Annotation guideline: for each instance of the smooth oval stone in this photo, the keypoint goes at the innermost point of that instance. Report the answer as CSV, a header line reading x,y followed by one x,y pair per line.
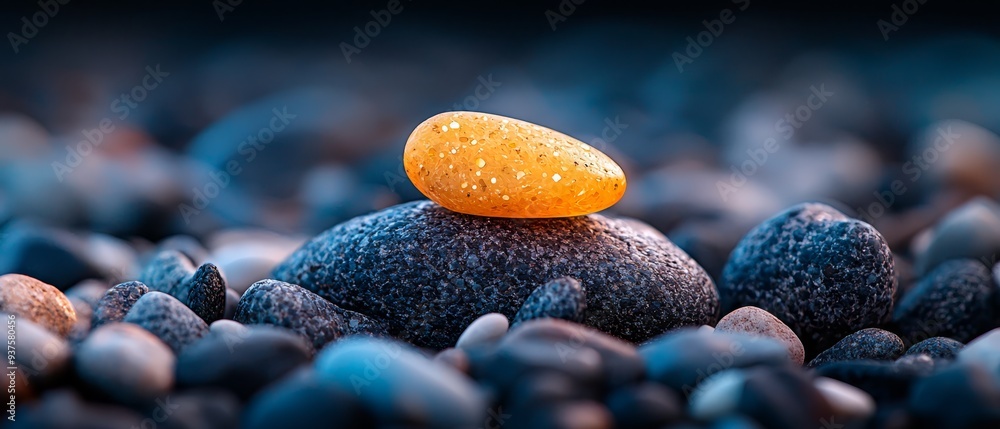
x,y
428,272
960,396
684,358
936,348
272,302
984,350
884,381
168,319
954,300
562,298
620,361
644,405
825,275
490,165
126,363
971,231
758,322
400,386
39,353
228,327
847,401
302,401
242,364
488,328
116,303
871,343
30,299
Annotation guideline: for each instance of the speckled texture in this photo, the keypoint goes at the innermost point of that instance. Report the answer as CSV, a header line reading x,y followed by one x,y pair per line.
x,y
116,303
870,343
955,300
491,165
38,302
562,298
825,275
168,319
277,303
755,321
937,348
428,272
202,289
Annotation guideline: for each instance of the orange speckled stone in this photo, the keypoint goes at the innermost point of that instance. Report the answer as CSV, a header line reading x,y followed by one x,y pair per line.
x,y
490,165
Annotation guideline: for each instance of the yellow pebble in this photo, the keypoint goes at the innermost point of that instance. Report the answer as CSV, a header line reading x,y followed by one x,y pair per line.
x,y
534,171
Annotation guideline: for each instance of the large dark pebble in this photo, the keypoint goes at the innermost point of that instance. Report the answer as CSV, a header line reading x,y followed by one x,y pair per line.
x,y
302,401
958,397
272,302
971,231
871,343
825,275
954,300
242,364
562,298
682,359
429,272
400,386
168,319
126,363
116,303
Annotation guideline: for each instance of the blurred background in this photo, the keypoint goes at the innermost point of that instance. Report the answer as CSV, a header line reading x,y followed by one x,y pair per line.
x,y
123,125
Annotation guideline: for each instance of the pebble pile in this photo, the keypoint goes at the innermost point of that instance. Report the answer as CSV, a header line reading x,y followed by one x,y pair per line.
x,y
506,301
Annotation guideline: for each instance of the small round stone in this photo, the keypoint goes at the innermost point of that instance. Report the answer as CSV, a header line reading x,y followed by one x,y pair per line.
x,y
126,363
971,231
487,329
271,302
116,303
870,343
937,348
400,386
847,401
825,275
30,299
562,298
954,300
428,272
242,364
168,319
490,165
758,322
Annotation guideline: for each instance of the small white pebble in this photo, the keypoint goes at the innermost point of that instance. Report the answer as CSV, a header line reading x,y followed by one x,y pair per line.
x,y
487,329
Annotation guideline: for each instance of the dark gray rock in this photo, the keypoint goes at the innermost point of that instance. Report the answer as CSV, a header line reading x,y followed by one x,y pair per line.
x,y
684,358
871,343
823,274
116,303
429,272
955,300
126,363
971,231
302,401
168,319
272,302
937,348
242,364
400,386
957,397
562,298
202,289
